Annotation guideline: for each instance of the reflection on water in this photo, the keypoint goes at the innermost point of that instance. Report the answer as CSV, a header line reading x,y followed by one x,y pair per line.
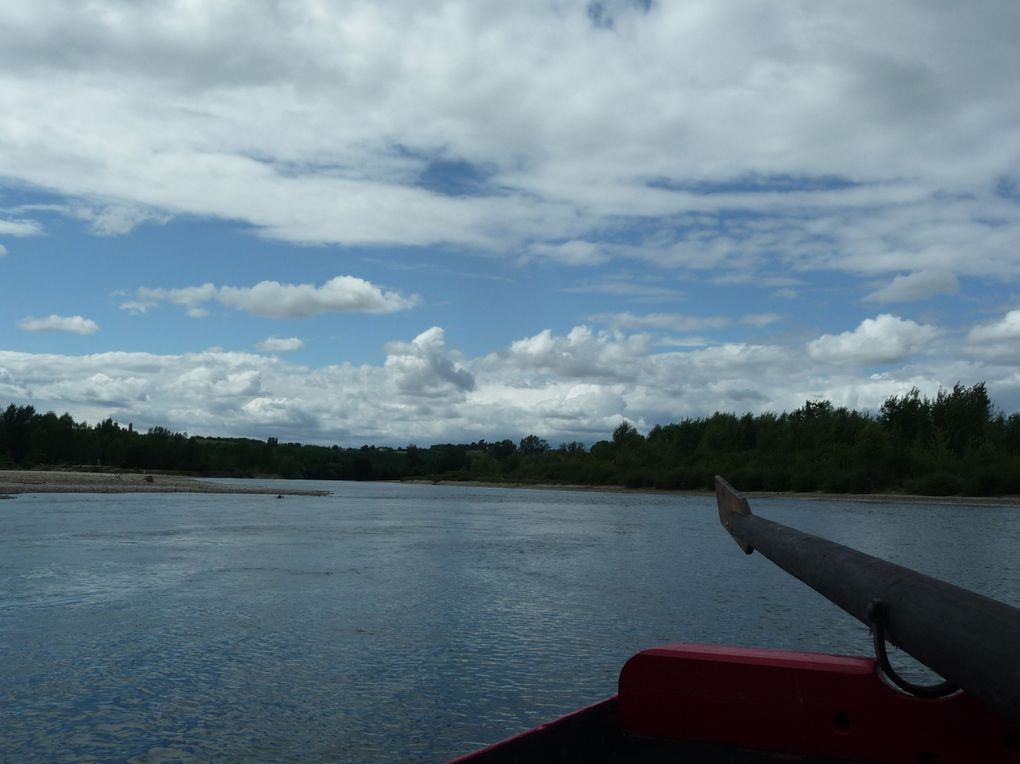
x,y
397,622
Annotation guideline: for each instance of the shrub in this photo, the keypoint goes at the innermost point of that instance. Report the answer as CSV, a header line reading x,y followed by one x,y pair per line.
x,y
805,482
938,484
984,482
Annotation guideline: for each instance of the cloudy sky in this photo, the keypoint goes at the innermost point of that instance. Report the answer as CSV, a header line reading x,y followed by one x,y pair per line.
x,y
393,222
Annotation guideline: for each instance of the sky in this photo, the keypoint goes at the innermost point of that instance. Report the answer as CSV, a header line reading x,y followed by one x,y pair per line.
x,y
419,222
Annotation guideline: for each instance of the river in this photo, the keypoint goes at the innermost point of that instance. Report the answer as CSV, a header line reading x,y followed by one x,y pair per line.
x,y
398,623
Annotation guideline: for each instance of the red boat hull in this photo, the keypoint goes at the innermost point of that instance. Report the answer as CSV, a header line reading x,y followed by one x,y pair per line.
x,y
707,703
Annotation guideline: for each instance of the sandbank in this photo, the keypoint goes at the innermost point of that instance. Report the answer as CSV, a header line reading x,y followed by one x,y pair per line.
x,y
60,481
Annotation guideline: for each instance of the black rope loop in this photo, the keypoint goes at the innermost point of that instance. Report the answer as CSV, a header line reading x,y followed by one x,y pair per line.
x,y
877,615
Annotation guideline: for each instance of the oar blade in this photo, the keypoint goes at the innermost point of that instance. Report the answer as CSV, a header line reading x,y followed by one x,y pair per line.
x,y
731,504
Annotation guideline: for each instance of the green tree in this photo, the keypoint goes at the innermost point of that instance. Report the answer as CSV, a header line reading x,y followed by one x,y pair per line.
x,y
962,415
532,444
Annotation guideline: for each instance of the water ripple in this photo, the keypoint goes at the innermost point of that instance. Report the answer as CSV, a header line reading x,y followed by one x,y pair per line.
x,y
394,623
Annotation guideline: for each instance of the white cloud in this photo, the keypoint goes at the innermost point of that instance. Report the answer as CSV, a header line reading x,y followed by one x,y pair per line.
x,y
424,366
761,320
679,322
1007,328
9,387
116,219
55,323
3,250
280,344
717,141
671,321
918,285
683,342
877,142
997,342
281,412
191,298
19,227
884,339
648,291
137,306
574,252
574,386
581,354
341,294
119,390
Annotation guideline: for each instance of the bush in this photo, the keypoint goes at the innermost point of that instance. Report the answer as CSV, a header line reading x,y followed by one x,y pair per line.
x,y
939,484
837,481
984,482
805,482
1010,478
746,479
639,480
777,480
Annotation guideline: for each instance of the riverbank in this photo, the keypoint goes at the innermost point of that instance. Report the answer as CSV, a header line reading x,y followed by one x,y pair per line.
x,y
13,482
873,498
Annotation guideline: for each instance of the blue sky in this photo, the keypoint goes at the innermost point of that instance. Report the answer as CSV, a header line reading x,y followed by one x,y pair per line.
x,y
406,222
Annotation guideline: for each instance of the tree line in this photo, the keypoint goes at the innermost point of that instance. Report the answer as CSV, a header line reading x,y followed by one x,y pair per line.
x,y
951,444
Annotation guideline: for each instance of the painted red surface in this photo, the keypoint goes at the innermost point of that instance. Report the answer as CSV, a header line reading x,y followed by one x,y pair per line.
x,y
801,703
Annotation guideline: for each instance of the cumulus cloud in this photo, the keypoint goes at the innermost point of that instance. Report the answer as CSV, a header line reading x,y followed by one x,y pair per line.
x,y
881,143
55,323
1007,328
581,353
341,294
423,366
569,387
101,388
998,341
880,340
191,298
278,412
9,387
918,285
280,344
633,134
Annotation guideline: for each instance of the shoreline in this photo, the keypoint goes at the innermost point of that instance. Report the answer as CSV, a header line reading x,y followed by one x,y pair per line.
x,y
863,498
16,482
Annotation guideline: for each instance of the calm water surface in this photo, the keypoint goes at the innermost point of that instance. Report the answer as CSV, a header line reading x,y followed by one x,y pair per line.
x,y
391,623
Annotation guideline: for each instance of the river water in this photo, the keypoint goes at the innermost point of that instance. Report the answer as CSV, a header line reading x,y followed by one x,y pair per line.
x,y
393,623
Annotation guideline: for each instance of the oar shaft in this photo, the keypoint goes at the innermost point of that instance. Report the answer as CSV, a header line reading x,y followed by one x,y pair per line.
x,y
969,639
